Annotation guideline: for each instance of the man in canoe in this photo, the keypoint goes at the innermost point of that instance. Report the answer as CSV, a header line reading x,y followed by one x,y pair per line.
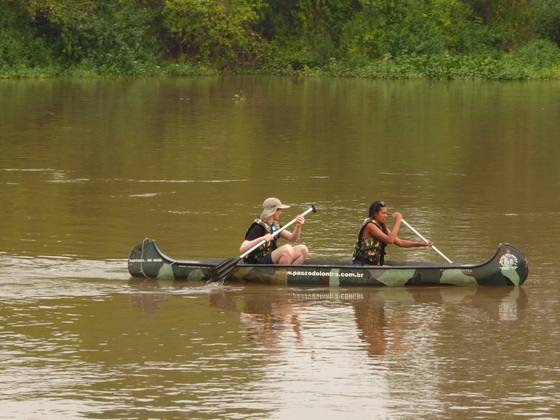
x,y
374,236
263,228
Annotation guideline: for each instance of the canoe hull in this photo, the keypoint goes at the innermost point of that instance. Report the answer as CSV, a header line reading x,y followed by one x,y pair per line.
x,y
508,267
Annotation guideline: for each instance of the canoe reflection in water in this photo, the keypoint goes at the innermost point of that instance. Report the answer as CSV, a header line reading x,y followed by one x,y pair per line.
x,y
271,315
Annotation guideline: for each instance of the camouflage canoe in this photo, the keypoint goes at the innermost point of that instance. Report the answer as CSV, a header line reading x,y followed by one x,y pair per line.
x,y
508,267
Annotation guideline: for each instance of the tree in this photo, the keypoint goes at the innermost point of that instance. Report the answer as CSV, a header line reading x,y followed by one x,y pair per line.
x,y
214,30
513,18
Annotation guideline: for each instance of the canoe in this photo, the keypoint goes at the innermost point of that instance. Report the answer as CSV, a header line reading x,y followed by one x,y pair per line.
x,y
508,267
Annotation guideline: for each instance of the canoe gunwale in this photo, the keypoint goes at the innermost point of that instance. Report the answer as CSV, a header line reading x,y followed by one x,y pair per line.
x,y
327,263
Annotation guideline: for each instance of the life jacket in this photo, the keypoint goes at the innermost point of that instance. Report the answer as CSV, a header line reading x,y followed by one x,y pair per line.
x,y
265,248
370,251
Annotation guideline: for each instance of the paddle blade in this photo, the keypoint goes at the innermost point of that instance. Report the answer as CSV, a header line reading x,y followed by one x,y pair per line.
x,y
219,272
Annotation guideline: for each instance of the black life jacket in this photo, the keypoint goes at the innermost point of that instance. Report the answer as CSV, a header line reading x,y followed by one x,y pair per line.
x,y
370,251
265,248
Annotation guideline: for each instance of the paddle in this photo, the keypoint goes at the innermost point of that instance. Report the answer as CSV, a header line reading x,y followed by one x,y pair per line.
x,y
219,272
425,240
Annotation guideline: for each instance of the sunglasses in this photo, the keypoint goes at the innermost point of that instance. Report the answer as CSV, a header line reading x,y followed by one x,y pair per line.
x,y
379,205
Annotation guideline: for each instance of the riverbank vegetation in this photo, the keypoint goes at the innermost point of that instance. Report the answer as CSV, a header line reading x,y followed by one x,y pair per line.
x,y
431,39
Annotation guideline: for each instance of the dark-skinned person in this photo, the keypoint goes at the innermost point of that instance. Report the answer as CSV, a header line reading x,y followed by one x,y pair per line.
x,y
374,236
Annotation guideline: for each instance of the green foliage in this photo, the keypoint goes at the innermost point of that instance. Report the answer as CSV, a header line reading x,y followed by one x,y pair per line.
x,y
114,38
540,58
214,30
433,39
101,37
299,52
305,33
325,17
55,11
512,19
538,53
22,52
292,18
435,67
403,27
547,19
185,70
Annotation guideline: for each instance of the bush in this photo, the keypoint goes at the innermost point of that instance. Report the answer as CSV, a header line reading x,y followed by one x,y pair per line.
x,y
404,27
22,52
547,19
185,69
434,67
434,39
299,52
540,58
539,54
113,39
214,31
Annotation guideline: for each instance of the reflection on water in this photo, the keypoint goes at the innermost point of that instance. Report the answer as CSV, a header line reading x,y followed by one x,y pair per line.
x,y
317,336
272,305
171,348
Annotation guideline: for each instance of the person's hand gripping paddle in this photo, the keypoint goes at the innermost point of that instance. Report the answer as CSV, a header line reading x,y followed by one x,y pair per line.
x,y
219,272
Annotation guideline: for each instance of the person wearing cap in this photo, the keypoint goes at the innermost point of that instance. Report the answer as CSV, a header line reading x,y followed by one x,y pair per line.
x,y
263,228
374,236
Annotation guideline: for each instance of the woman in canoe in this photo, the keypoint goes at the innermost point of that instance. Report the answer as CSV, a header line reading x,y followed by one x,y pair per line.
x,y
374,236
263,228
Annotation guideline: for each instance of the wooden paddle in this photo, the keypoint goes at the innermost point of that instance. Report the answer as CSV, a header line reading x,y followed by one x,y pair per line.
x,y
219,272
425,240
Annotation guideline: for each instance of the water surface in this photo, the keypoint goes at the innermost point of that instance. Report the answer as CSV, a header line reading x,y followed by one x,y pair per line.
x,y
89,168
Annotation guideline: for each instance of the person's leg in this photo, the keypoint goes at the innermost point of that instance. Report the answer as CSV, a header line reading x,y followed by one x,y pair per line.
x,y
300,253
283,255
267,259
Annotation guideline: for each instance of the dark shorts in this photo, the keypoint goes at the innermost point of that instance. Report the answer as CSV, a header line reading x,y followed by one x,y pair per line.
x,y
267,259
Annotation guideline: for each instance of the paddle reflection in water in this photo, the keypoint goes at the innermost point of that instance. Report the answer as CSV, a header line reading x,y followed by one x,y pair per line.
x,y
380,314
383,350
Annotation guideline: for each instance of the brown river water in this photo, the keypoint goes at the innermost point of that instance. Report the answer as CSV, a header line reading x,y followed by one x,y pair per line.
x,y
89,168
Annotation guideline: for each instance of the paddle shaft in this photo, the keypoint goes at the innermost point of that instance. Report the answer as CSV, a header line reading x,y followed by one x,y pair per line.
x,y
425,240
311,209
